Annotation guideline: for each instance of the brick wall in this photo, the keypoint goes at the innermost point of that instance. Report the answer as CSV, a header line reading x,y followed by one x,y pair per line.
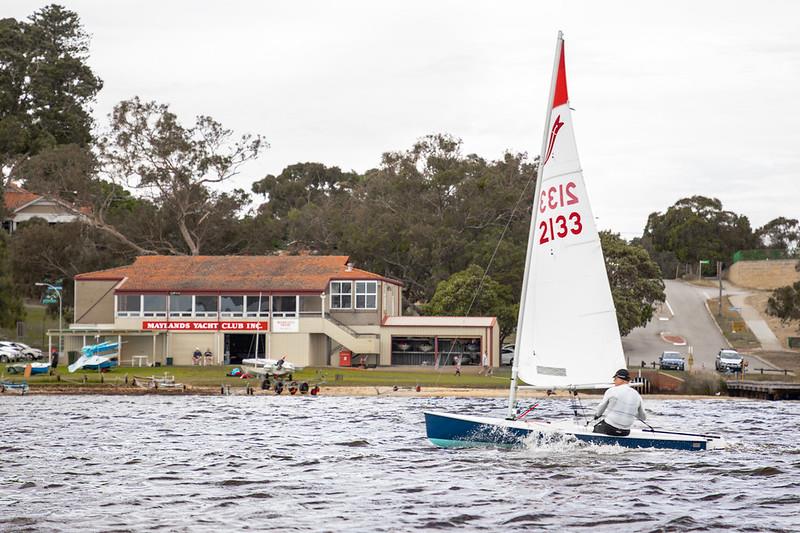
x,y
767,274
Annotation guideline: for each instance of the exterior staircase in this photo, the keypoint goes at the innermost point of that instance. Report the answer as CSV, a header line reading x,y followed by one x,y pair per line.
x,y
358,343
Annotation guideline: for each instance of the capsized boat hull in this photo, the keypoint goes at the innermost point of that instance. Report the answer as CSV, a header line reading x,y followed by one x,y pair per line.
x,y
94,362
458,431
109,363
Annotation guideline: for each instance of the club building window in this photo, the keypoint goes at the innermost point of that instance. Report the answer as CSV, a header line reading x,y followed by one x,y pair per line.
x,y
257,305
341,294
180,305
154,305
231,306
284,305
366,294
129,305
205,306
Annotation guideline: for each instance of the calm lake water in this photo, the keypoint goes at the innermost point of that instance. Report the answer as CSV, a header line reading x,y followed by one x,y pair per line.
x,y
138,463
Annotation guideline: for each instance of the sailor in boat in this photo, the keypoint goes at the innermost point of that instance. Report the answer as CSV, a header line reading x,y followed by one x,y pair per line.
x,y
620,408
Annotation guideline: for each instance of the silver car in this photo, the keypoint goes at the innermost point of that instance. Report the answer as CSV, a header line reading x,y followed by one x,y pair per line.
x,y
10,354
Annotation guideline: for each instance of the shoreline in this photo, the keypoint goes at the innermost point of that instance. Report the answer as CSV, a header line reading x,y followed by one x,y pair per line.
x,y
343,391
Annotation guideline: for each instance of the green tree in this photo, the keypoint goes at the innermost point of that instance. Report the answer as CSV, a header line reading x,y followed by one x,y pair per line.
x,y
41,252
174,167
11,309
303,184
470,293
424,214
785,302
46,85
635,280
698,228
780,233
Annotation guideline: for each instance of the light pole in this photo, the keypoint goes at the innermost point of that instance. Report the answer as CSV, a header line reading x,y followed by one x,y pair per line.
x,y
57,290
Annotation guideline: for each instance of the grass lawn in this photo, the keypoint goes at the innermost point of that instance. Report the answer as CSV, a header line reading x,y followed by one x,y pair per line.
x,y
214,376
37,322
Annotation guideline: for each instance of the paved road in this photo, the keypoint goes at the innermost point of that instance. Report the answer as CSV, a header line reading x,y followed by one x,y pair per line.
x,y
685,315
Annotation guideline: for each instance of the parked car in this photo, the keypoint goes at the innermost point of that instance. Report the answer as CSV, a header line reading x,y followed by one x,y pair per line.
x,y
729,361
29,353
10,354
671,361
26,353
507,355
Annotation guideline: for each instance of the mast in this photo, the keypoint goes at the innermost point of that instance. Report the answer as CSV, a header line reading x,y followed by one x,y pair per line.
x,y
512,392
258,317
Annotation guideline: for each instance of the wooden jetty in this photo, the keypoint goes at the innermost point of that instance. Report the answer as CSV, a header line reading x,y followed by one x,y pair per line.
x,y
766,390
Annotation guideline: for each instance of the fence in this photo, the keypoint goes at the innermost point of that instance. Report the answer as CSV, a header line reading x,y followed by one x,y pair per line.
x,y
760,255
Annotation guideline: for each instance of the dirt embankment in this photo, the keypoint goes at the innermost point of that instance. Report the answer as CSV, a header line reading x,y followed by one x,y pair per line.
x,y
782,330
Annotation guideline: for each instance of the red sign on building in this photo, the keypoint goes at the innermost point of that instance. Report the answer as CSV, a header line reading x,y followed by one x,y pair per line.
x,y
155,325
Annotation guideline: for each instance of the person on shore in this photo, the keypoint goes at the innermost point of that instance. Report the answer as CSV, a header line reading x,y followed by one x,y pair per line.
x,y
620,408
196,356
485,369
279,364
208,355
457,361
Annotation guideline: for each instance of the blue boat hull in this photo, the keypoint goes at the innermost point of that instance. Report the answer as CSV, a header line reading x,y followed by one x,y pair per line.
x,y
101,366
459,431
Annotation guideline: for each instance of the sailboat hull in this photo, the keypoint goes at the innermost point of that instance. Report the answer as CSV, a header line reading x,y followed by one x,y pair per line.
x,y
460,431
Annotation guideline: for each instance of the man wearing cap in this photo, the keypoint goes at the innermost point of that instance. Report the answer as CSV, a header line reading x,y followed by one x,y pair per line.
x,y
620,408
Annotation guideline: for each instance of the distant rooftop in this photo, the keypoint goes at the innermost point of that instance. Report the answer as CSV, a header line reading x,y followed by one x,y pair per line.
x,y
240,273
441,321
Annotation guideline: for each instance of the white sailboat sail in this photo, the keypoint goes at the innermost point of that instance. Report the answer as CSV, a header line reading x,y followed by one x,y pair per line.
x,y
567,334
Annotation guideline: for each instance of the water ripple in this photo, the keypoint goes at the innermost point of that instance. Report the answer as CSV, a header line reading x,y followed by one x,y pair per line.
x,y
364,464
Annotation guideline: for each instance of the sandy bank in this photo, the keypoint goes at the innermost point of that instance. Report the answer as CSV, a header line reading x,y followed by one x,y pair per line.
x,y
383,392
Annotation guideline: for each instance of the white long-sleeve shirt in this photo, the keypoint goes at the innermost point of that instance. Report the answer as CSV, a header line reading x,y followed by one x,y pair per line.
x,y
621,406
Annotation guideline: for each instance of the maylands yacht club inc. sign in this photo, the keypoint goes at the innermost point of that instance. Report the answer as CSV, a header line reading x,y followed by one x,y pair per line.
x,y
204,326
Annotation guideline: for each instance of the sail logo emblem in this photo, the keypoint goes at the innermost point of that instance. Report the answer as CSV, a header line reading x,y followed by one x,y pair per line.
x,y
553,135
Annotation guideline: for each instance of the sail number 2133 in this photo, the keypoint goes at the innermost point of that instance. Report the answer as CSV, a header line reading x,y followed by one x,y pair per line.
x,y
559,227
554,197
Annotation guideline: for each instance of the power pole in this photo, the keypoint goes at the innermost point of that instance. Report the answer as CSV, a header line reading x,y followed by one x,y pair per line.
x,y
719,278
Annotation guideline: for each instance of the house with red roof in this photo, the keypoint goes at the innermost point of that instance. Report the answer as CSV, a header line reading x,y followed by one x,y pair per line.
x,y
22,205
315,310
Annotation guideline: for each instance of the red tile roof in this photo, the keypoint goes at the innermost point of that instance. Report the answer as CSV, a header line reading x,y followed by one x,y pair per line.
x,y
17,197
159,273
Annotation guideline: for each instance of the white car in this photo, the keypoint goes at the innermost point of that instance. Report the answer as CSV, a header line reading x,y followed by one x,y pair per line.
x,y
25,352
507,355
10,354
32,353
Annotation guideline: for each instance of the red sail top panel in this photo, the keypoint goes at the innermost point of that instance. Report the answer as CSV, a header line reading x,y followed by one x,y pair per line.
x,y
561,96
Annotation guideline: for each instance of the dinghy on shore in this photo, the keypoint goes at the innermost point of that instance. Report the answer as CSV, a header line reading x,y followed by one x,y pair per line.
x,y
93,357
36,368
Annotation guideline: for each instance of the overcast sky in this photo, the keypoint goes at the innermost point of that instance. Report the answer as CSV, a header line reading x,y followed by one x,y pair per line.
x,y
671,99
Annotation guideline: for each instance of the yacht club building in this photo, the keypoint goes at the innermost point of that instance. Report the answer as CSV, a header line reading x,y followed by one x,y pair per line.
x,y
315,310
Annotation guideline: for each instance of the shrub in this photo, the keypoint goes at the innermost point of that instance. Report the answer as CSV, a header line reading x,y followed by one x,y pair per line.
x,y
703,383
